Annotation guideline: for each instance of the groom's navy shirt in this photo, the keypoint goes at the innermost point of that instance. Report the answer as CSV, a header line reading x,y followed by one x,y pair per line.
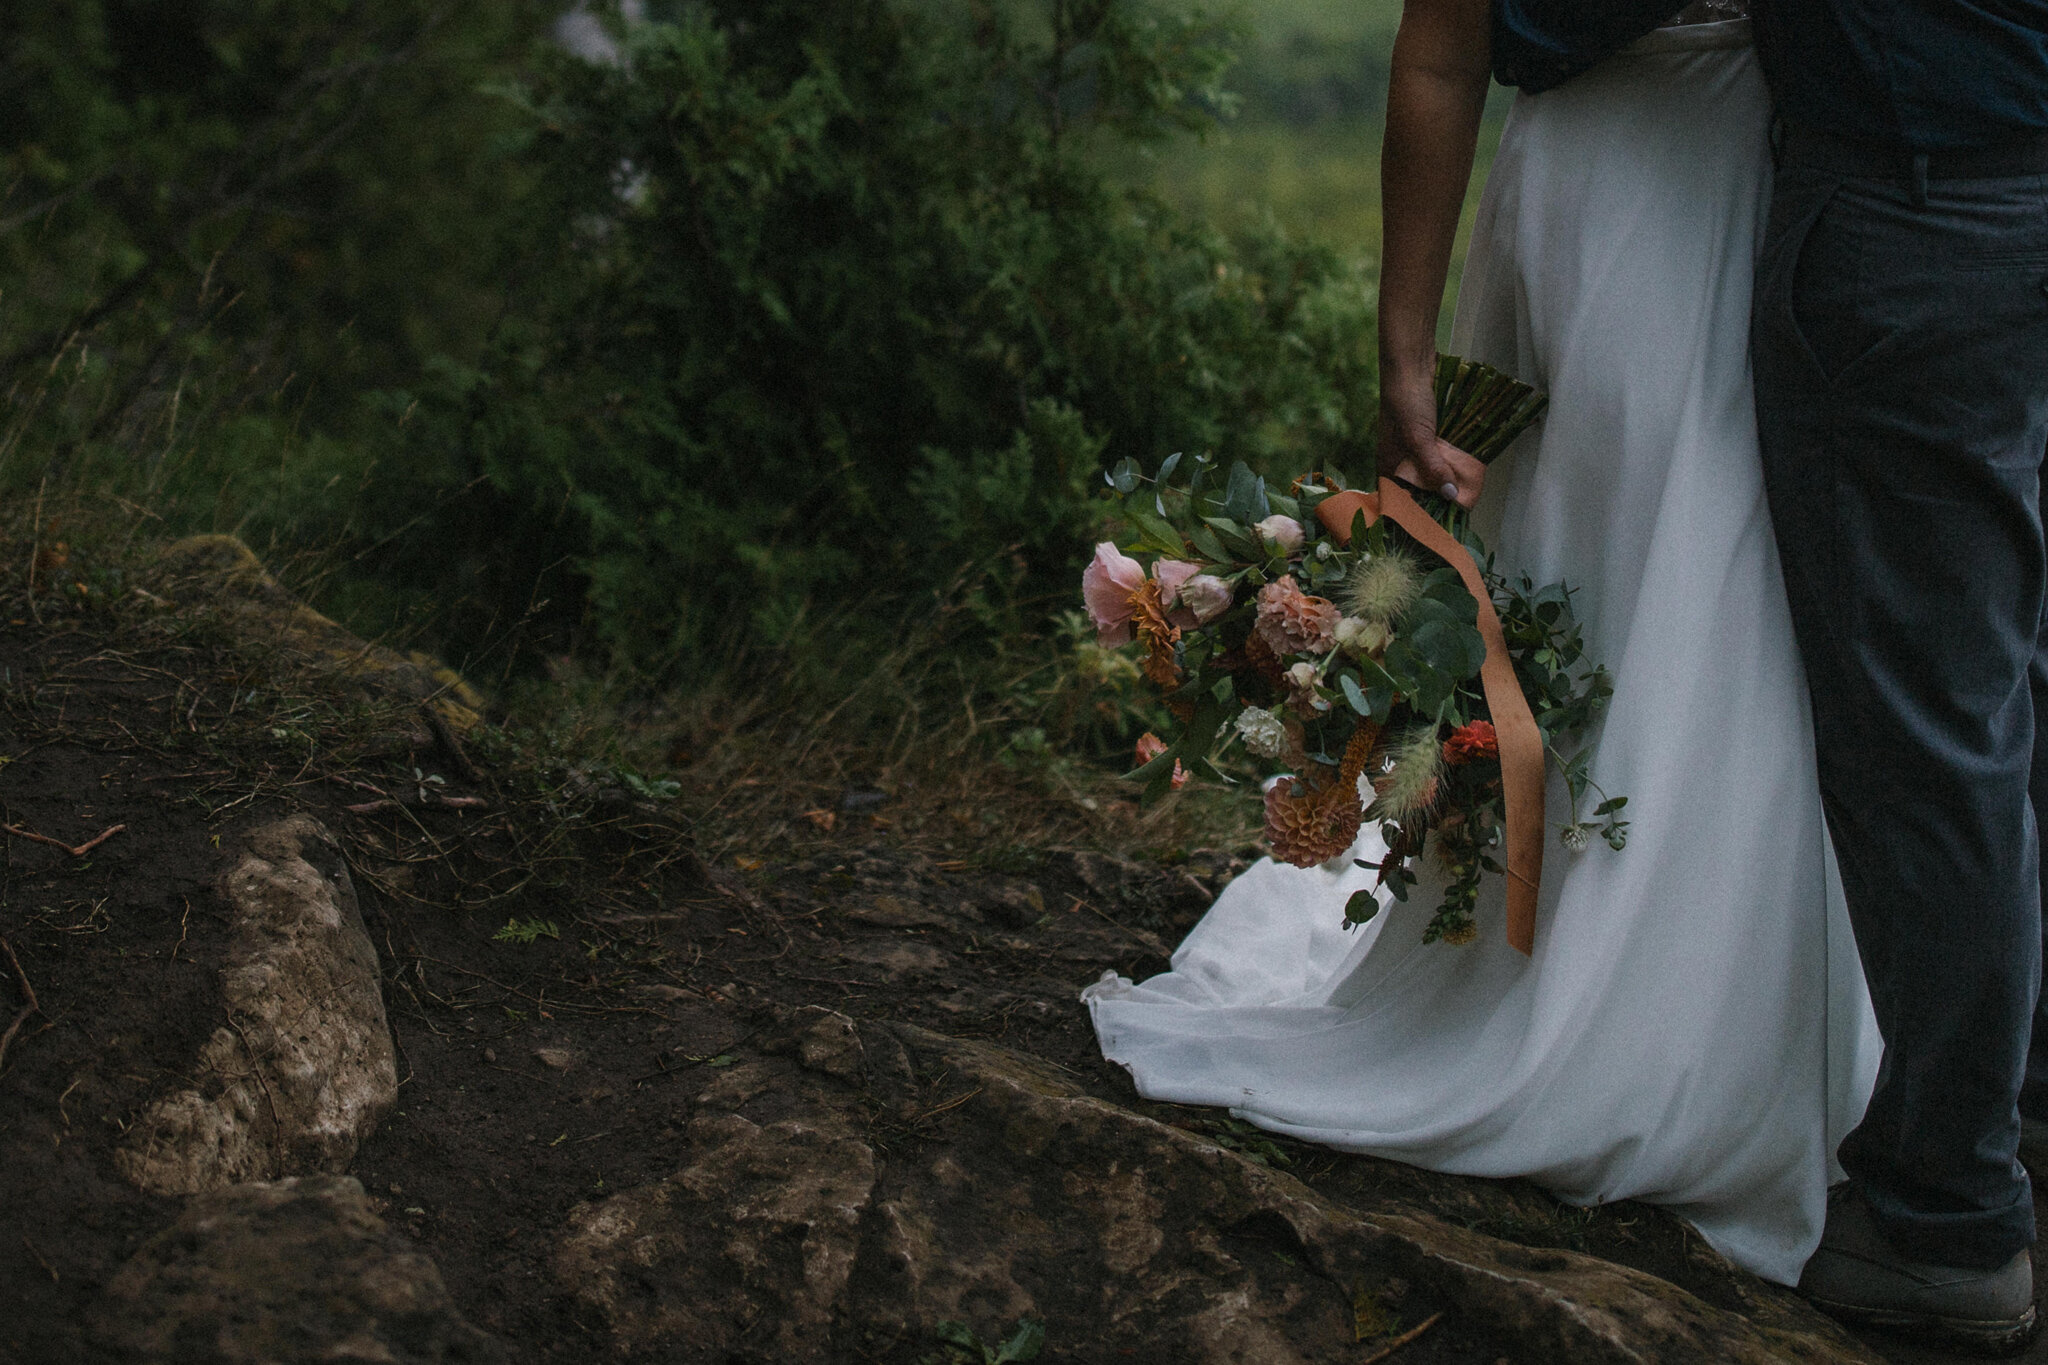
x,y
1933,74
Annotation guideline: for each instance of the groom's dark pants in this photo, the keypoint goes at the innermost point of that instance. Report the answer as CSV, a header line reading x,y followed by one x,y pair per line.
x,y
1900,342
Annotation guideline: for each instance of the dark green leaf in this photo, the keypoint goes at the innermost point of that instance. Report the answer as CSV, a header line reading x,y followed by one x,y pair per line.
x,y
1024,1344
1361,908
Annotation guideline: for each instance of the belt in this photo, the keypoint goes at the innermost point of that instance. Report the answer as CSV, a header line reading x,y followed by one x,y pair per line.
x,y
1800,145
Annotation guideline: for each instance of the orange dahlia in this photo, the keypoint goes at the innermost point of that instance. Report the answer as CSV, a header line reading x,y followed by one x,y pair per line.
x,y
1306,825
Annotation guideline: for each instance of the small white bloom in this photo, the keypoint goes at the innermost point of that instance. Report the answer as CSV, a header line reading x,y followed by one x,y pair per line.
x,y
1361,636
1302,675
1261,732
1574,838
1324,549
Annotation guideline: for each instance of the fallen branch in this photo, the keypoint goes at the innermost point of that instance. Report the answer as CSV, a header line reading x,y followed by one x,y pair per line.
x,y
28,992
1405,1339
88,846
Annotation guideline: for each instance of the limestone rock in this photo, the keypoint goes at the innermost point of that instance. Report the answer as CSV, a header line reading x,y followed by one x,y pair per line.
x,y
279,1274
994,1189
220,570
744,1255
303,1068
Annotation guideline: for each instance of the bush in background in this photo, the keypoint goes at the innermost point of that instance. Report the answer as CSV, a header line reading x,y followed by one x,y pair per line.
x,y
795,330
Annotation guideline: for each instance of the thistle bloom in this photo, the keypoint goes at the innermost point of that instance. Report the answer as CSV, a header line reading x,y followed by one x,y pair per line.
x,y
1383,588
1106,586
1292,622
1283,531
1261,732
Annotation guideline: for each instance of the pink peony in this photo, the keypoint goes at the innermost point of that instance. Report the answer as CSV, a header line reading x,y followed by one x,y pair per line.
x,y
1106,586
1292,622
1283,531
1207,596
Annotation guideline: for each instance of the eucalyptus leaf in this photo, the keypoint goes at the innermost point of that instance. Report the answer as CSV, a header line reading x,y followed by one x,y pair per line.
x,y
1123,476
1244,498
1354,695
1361,908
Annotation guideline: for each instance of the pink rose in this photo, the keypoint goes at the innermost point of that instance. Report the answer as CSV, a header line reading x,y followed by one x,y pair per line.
x,y
1283,531
1207,596
1171,575
1292,622
1106,586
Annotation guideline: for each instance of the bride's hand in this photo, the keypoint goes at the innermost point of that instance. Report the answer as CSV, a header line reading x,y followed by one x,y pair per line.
x,y
1411,451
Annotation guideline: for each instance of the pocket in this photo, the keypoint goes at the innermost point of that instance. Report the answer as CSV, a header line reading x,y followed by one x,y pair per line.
x,y
1830,305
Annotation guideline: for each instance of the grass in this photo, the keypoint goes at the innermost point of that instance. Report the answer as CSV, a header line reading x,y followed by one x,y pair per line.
x,y
1315,176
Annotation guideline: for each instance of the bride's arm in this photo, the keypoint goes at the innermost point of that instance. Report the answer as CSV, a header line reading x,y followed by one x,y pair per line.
x,y
1435,95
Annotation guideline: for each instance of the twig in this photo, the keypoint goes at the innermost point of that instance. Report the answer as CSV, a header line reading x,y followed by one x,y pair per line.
x,y
1406,1338
953,1103
48,1269
88,846
28,993
433,799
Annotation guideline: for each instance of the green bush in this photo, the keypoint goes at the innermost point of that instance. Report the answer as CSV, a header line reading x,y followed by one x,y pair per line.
x,y
841,313
796,324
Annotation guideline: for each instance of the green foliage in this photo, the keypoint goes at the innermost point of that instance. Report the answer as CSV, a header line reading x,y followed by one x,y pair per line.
x,y
840,313
797,337
965,1346
524,931
209,205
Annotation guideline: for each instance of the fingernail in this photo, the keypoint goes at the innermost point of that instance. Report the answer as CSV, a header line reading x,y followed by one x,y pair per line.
x,y
1450,492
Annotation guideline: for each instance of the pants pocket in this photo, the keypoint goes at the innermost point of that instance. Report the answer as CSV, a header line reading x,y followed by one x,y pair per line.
x,y
1827,299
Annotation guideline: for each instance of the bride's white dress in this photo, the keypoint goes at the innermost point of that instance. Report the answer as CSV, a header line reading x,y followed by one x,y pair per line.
x,y
1693,1028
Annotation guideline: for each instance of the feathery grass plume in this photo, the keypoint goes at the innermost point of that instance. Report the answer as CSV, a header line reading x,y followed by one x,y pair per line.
x,y
1411,786
1383,587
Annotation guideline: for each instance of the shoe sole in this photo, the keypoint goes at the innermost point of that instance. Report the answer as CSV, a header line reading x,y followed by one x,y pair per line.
x,y
2003,1337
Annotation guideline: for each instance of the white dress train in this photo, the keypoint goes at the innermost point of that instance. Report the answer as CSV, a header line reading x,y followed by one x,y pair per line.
x,y
1693,1028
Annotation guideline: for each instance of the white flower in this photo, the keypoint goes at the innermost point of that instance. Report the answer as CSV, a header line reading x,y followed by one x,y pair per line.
x,y
1283,531
1574,838
1324,549
1302,676
1361,636
1261,732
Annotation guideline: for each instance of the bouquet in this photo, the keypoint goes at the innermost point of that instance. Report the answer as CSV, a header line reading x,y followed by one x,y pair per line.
x,y
1360,649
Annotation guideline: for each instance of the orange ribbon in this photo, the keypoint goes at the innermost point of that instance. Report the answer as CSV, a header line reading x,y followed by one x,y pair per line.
x,y
1521,743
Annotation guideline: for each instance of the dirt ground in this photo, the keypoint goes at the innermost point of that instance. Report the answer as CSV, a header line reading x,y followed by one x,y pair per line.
x,y
561,969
